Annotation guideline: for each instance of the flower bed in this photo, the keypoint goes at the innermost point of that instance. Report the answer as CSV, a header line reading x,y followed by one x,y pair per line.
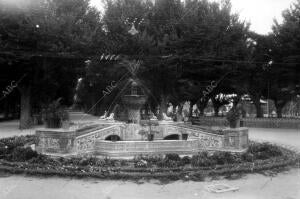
x,y
15,158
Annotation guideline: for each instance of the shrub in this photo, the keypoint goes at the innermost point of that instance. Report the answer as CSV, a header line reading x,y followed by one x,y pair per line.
x,y
141,164
13,147
100,163
233,117
167,163
70,161
54,114
83,162
40,159
218,158
23,154
109,162
150,159
3,152
90,161
264,150
223,157
186,160
249,157
13,142
170,161
173,156
202,160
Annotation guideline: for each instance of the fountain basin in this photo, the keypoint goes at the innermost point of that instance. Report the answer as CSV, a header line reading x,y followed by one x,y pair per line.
x,y
191,140
138,137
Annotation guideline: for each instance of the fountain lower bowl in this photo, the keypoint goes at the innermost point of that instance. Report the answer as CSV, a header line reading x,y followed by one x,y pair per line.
x,y
191,140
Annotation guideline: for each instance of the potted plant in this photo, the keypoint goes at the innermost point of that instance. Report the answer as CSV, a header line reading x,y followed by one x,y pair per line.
x,y
54,115
233,117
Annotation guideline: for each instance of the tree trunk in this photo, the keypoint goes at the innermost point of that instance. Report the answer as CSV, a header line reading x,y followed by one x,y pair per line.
x,y
153,109
163,106
179,113
217,105
236,100
259,111
191,110
216,110
6,109
201,112
16,112
25,115
202,105
174,108
279,112
255,97
279,107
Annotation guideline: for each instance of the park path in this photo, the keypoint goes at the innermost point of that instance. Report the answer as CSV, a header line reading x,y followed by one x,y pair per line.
x,y
286,137
11,128
285,185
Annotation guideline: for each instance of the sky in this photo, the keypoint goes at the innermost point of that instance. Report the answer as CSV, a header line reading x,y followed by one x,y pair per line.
x,y
260,13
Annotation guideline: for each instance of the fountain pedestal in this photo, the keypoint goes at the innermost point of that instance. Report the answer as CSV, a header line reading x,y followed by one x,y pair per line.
x,y
133,102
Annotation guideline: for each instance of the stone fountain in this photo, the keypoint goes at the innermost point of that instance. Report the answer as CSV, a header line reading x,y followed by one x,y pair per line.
x,y
130,137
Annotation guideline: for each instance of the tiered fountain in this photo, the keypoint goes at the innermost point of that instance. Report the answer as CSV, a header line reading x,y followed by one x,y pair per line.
x,y
134,136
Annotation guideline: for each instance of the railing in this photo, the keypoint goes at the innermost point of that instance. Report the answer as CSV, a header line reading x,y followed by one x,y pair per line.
x,y
86,143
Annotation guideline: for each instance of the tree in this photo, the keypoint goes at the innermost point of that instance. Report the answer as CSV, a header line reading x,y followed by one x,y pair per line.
x,y
285,72
253,77
209,41
185,44
40,34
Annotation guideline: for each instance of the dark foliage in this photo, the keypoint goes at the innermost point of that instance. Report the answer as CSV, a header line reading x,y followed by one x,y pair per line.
x,y
13,148
256,151
173,157
202,160
233,116
186,160
55,114
22,154
264,151
248,157
224,158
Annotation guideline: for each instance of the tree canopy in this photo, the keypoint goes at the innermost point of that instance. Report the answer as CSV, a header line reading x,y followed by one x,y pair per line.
x,y
66,47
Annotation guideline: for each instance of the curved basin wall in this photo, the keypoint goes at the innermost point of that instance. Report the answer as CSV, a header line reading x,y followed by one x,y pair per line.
x,y
67,142
132,148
